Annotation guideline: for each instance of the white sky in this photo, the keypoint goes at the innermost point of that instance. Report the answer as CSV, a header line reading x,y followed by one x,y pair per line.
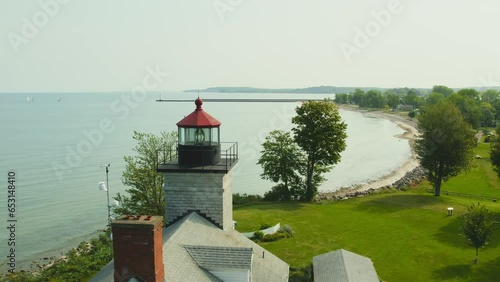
x,y
107,45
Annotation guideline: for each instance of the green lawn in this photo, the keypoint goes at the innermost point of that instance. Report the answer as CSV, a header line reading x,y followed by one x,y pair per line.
x,y
408,235
480,180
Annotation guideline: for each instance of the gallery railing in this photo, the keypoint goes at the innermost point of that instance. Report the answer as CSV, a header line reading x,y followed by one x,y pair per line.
x,y
229,156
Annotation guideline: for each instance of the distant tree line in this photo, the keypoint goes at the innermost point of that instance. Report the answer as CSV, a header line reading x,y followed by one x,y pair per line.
x,y
478,108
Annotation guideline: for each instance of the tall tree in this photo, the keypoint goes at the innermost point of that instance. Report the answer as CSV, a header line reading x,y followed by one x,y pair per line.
x,y
469,107
490,95
281,160
321,133
488,113
446,91
146,195
446,143
495,151
357,96
477,227
393,99
434,98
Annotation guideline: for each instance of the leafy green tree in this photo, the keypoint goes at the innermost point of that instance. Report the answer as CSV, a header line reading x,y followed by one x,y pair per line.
x,y
146,195
320,133
434,98
446,143
393,99
495,151
341,98
446,91
490,95
470,110
477,226
496,105
487,114
375,99
281,159
470,93
357,96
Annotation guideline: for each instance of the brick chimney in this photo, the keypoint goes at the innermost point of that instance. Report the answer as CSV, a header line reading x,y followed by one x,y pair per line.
x,y
138,248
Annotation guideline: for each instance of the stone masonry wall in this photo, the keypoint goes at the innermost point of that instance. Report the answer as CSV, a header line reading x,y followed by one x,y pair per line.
x,y
210,193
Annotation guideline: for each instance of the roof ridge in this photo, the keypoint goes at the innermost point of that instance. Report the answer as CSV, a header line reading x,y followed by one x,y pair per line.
x,y
344,263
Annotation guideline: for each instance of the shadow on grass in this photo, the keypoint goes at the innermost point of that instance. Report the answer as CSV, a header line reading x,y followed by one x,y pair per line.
x,y
394,203
286,206
450,234
453,272
490,271
482,272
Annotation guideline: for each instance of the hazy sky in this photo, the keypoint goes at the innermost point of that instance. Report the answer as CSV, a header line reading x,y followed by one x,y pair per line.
x,y
64,45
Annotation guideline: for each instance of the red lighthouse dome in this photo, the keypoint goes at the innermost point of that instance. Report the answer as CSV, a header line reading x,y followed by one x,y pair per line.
x,y
199,138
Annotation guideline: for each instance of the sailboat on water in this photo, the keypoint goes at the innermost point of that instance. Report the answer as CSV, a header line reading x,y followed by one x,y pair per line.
x,y
29,98
58,98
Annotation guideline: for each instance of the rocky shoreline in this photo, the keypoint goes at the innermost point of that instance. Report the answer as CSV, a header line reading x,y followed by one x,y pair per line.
x,y
405,176
411,178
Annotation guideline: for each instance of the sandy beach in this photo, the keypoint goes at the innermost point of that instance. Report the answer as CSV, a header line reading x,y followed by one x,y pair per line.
x,y
408,125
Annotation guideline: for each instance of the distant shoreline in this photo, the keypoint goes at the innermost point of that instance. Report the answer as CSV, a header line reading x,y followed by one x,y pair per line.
x,y
407,124
245,100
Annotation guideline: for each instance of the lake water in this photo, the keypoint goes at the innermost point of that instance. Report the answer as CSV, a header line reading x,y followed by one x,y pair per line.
x,y
57,149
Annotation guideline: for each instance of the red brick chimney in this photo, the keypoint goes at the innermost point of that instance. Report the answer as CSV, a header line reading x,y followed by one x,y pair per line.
x,y
138,248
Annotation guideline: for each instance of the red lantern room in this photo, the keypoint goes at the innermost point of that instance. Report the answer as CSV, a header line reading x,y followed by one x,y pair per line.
x,y
199,138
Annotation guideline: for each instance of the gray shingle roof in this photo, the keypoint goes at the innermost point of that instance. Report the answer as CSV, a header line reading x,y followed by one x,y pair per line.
x,y
194,230
210,257
343,266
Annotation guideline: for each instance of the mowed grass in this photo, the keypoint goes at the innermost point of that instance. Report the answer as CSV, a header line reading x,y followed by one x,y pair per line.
x,y
481,180
408,235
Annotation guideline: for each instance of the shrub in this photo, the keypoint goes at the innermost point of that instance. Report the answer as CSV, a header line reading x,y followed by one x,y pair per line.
x,y
244,199
412,114
288,230
265,226
301,274
258,235
273,237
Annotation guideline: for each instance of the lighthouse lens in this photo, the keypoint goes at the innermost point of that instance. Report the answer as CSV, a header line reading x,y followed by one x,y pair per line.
x,y
199,136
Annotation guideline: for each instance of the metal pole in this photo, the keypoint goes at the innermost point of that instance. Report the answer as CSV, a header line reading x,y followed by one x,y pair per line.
x,y
107,192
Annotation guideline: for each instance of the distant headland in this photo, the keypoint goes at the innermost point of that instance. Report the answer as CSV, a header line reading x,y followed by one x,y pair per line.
x,y
309,90
321,89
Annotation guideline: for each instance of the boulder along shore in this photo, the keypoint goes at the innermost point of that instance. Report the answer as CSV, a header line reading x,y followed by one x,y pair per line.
x,y
409,173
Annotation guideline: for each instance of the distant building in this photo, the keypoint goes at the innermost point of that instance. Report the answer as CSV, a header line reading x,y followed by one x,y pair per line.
x,y
199,242
403,107
343,266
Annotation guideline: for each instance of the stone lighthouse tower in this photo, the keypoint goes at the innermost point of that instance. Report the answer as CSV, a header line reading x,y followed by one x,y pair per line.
x,y
199,179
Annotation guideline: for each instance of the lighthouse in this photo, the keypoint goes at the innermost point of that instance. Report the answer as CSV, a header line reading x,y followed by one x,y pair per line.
x,y
198,178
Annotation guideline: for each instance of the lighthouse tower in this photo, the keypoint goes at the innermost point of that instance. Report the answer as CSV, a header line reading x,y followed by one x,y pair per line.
x,y
199,179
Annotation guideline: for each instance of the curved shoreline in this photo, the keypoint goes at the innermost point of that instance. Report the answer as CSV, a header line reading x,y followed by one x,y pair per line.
x,y
411,164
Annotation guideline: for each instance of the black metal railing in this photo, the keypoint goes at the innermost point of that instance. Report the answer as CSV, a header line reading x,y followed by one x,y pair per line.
x,y
465,195
229,156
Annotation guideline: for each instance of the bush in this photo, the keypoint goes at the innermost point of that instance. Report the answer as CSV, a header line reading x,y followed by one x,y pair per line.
x,y
301,274
273,237
265,226
288,230
244,199
258,235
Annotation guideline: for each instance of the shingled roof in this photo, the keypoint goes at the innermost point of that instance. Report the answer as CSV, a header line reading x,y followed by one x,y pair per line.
x,y
211,257
198,235
343,266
